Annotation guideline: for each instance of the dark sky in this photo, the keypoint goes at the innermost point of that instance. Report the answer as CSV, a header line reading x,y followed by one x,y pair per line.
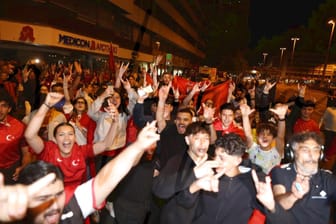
x,y
272,17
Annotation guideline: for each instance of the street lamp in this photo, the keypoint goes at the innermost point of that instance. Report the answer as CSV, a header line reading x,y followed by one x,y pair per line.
x,y
332,22
265,55
282,49
294,39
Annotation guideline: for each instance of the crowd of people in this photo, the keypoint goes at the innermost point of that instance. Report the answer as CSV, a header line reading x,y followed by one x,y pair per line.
x,y
129,147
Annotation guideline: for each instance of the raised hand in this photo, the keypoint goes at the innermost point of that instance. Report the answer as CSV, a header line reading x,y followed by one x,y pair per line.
x,y
264,191
122,70
280,110
14,199
147,136
53,98
245,109
268,86
78,67
208,113
164,91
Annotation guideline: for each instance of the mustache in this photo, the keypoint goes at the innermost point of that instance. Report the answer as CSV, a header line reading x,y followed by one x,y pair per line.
x,y
52,212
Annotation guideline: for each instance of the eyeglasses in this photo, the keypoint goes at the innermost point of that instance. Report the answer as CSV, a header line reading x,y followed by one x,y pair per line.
x,y
80,102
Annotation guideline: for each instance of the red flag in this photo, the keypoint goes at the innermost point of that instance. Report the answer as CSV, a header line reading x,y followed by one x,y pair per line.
x,y
183,85
217,93
149,80
111,60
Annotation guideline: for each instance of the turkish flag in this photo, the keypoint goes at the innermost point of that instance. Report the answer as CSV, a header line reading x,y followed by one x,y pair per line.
x,y
217,93
111,60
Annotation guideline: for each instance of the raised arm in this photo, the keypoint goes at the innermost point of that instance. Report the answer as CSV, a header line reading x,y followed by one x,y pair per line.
x,y
31,133
246,111
101,146
281,111
94,108
191,95
115,170
163,95
208,114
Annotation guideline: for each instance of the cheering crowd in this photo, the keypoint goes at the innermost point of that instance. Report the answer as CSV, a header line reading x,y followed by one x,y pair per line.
x,y
135,147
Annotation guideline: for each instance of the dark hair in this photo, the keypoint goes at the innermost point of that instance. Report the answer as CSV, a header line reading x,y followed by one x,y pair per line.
x,y
309,103
38,169
304,136
56,85
227,106
185,110
60,125
268,126
123,105
232,144
4,96
197,127
80,98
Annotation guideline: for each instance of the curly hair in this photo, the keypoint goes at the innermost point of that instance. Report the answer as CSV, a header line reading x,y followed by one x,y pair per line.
x,y
232,144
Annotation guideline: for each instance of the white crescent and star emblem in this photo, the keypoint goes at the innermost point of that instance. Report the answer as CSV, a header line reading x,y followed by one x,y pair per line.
x,y
75,162
59,160
10,138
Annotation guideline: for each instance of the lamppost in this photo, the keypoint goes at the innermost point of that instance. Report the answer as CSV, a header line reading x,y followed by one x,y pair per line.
x,y
332,22
282,49
294,39
264,55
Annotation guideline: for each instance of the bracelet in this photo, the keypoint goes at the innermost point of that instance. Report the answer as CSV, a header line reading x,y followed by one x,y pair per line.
x,y
283,119
47,105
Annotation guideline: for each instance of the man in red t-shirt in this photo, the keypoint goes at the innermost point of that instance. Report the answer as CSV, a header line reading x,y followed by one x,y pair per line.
x,y
14,153
225,123
305,123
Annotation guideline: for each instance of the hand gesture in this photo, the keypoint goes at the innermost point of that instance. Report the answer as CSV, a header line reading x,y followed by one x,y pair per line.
x,y
158,59
78,67
208,183
300,186
14,199
245,109
252,92
206,168
126,84
302,89
147,136
280,110
122,70
53,98
112,111
205,86
164,91
208,113
264,191
232,87
176,93
268,86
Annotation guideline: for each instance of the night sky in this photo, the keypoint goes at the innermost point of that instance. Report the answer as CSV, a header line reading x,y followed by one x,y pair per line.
x,y
272,17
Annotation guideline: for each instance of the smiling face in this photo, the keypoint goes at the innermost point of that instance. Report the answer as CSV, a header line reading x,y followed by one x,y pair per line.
x,y
226,117
80,105
47,205
65,139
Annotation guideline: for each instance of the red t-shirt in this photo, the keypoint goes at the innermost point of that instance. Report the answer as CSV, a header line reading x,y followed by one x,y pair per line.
x,y
73,167
302,126
11,140
231,129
